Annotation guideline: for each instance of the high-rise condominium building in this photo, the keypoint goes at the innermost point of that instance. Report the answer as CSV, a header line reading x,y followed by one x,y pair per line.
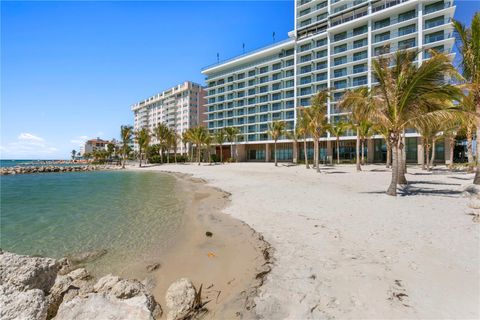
x,y
180,108
332,46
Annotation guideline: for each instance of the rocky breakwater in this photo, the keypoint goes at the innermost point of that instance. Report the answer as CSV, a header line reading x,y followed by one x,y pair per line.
x,y
45,169
44,288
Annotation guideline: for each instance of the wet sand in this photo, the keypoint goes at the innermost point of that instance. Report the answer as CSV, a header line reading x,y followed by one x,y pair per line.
x,y
229,265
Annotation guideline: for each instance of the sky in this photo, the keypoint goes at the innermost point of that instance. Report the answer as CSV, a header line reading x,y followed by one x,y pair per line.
x,y
70,70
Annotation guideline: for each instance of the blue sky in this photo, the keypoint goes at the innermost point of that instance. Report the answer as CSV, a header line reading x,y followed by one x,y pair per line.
x,y
70,70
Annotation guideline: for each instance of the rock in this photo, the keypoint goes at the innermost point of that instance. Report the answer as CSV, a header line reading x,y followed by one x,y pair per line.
x,y
87,256
105,306
25,273
180,299
474,203
208,234
152,267
126,289
15,304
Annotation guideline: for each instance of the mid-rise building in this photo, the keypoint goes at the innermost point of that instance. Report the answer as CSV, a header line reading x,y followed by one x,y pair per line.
x,y
180,108
93,145
332,46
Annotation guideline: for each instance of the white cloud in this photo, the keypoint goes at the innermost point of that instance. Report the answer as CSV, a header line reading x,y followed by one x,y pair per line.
x,y
30,138
27,145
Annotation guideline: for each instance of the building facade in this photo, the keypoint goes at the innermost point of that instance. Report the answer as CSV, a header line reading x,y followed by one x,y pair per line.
x,y
180,107
332,46
93,145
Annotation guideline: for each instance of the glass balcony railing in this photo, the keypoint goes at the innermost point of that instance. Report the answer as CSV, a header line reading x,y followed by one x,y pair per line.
x,y
436,22
387,4
436,7
351,17
436,37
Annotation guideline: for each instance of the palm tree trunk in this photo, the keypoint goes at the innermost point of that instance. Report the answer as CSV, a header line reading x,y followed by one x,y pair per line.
x,y
161,154
140,155
317,162
358,151
401,162
470,148
305,152
392,189
315,154
295,151
389,155
275,152
175,155
221,153
432,159
124,160
476,180
427,155
452,147
198,154
231,151
363,151
423,154
338,150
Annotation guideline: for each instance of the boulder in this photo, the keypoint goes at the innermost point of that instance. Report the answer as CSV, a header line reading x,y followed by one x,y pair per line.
x,y
105,306
87,256
25,273
180,299
15,304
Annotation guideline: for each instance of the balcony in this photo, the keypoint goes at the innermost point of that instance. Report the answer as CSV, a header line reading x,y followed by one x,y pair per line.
x,y
387,4
436,7
436,22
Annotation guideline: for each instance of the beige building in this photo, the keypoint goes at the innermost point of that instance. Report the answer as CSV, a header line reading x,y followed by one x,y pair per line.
x,y
180,108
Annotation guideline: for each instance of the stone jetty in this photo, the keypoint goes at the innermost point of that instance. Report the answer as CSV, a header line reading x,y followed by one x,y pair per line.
x,y
46,169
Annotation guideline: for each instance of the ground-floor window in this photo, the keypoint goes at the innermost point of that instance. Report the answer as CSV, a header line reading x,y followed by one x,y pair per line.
x,y
411,148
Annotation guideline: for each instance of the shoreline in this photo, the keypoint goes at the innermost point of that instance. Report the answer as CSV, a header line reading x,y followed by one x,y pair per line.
x,y
230,264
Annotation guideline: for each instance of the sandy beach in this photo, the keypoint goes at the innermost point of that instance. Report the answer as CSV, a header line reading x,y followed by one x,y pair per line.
x,y
344,249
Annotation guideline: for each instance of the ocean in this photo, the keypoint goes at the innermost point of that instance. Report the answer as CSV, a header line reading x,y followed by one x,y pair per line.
x,y
127,213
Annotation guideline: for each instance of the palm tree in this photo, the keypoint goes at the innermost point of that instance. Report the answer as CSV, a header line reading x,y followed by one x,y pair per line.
x,y
469,48
208,145
199,135
187,140
295,134
231,133
110,150
126,136
142,138
161,133
275,130
366,131
316,116
359,103
303,127
74,153
220,140
172,141
408,94
337,130
468,122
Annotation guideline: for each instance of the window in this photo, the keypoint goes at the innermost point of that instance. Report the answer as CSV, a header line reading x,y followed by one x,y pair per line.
x,y
322,76
263,69
360,30
359,55
381,50
359,43
359,68
276,66
276,76
406,30
340,36
305,58
405,44
321,42
305,91
406,15
276,96
360,81
340,84
431,23
305,22
321,54
382,23
305,47
275,86
305,69
289,94
340,60
382,36
340,48
306,80
340,72
436,36
263,89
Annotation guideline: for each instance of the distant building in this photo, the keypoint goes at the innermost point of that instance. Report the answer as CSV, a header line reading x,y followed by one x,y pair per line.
x,y
180,108
94,145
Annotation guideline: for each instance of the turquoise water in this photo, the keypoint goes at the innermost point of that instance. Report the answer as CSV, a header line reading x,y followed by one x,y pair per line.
x,y
127,213
22,163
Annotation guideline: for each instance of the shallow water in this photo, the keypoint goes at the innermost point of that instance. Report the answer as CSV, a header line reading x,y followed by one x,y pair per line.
x,y
56,214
